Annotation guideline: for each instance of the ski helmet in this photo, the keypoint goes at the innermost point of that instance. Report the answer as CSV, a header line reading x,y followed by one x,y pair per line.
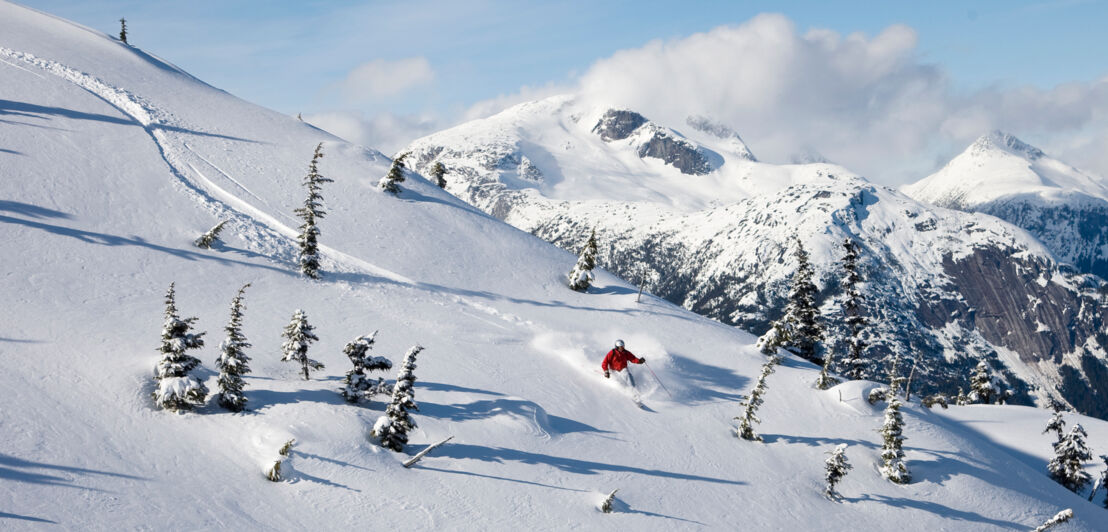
x,y
619,343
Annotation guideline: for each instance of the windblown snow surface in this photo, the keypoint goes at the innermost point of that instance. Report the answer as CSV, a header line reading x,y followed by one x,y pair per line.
x,y
113,161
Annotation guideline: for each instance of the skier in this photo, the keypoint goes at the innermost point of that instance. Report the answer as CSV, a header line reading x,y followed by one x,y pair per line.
x,y
616,360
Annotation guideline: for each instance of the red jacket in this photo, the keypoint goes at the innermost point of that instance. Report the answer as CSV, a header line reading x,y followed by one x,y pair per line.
x,y
617,360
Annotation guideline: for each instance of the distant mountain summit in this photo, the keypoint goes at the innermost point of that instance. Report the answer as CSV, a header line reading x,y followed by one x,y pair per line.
x,y
1065,208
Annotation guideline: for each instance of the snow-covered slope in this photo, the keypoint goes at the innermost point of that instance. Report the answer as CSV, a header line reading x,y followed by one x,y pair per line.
x,y
1065,208
945,288
113,161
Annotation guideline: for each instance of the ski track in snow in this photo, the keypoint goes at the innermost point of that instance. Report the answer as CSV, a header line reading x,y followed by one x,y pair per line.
x,y
265,234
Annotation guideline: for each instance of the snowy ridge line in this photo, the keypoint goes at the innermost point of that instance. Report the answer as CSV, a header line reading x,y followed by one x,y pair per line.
x,y
265,228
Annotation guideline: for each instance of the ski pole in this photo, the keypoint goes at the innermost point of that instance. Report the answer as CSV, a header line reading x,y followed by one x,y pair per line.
x,y
645,363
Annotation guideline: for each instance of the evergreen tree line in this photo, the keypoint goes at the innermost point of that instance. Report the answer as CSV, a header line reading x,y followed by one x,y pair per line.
x,y
178,389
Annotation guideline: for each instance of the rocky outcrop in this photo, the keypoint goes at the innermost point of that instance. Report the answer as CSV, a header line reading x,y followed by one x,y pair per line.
x,y
676,152
618,124
655,141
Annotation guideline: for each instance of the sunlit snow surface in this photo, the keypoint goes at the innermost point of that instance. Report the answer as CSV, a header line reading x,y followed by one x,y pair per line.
x,y
113,161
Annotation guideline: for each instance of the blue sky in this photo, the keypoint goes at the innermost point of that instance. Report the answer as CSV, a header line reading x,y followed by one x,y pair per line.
x,y
324,58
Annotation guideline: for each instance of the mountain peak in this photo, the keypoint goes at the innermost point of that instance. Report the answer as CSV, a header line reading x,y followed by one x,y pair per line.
x,y
999,140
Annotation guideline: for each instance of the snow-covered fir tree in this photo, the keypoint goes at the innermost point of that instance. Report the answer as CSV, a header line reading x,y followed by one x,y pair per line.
x,y
893,465
211,237
749,417
581,275
391,182
310,213
177,389
392,428
438,173
1070,454
982,389
233,361
298,336
835,468
357,385
1057,425
799,328
855,364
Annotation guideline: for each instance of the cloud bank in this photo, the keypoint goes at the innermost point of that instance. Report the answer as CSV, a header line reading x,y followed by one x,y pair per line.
x,y
870,103
379,79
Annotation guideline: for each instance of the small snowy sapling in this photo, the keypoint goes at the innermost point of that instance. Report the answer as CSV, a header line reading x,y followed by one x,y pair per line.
x,y
177,389
211,237
357,385
1056,425
753,401
437,173
232,361
606,504
581,275
298,336
1059,518
274,471
961,400
390,183
310,212
1068,465
835,468
391,429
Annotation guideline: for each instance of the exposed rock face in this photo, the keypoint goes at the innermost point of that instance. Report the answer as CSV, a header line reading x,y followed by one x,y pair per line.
x,y
676,152
618,124
1076,231
657,142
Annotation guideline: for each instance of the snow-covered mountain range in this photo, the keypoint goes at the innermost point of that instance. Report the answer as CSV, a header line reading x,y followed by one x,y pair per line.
x,y
1065,208
112,161
709,227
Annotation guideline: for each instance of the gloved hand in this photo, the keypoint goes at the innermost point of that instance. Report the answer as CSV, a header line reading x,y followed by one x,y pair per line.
x,y
606,375
642,360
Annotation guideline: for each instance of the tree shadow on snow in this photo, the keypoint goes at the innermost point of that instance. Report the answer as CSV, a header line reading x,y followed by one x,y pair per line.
x,y
711,381
43,112
494,477
32,211
816,441
441,387
258,400
570,465
105,239
518,407
937,509
621,507
20,470
6,515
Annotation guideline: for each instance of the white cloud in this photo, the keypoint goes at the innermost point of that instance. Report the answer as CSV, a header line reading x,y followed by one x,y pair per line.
x,y
868,103
379,79
385,132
